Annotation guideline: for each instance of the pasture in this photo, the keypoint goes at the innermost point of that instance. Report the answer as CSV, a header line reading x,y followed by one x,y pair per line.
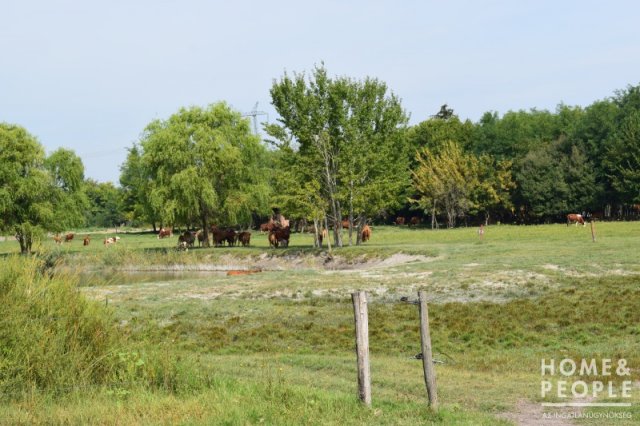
x,y
276,347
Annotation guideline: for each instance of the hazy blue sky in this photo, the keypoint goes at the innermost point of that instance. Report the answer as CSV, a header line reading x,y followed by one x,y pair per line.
x,y
90,75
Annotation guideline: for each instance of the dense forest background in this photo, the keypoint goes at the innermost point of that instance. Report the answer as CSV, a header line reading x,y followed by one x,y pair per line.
x,y
341,150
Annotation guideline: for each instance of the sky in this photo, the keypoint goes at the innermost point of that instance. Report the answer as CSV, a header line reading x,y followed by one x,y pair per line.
x,y
90,75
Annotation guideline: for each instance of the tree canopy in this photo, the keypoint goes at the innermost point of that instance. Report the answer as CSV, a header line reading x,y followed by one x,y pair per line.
x,y
202,165
37,194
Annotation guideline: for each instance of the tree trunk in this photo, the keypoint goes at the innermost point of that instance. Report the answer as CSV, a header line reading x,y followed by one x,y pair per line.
x,y
433,217
155,231
360,227
316,235
351,214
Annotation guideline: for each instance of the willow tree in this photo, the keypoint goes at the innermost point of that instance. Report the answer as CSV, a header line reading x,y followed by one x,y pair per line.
x,y
446,181
37,194
349,133
204,165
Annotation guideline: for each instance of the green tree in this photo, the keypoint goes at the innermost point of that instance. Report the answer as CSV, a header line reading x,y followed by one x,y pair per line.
x,y
105,204
70,202
542,189
446,181
350,134
136,185
435,132
492,194
622,158
204,164
36,194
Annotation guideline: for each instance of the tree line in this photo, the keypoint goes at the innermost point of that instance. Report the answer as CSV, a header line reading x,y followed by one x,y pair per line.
x,y
341,153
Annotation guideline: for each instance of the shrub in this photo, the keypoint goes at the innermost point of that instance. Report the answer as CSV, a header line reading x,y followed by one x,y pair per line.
x,y
51,337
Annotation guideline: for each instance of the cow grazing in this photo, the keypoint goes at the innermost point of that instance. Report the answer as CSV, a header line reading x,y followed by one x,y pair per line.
x,y
68,237
57,238
415,221
346,224
279,237
244,238
366,233
400,220
110,240
86,240
575,217
187,237
164,232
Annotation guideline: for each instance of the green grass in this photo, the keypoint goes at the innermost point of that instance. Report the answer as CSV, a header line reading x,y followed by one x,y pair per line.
x,y
277,347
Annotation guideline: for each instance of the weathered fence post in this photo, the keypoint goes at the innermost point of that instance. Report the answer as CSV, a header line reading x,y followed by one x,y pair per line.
x,y
427,356
593,232
361,316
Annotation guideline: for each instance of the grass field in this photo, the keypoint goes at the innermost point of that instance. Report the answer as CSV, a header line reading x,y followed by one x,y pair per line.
x,y
276,347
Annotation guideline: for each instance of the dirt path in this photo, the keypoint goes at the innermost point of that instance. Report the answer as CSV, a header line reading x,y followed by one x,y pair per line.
x,y
529,413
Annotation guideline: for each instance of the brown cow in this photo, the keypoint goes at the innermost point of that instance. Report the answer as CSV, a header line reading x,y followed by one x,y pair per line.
x,y
86,240
366,233
244,238
111,240
218,236
345,223
187,237
266,227
57,238
273,241
575,217
231,236
200,237
415,221
282,236
68,237
164,232
400,220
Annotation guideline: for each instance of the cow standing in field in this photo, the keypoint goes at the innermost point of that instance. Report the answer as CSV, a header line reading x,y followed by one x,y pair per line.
x,y
279,237
415,221
218,235
57,238
575,217
164,232
366,233
86,240
244,238
231,236
187,237
400,220
68,237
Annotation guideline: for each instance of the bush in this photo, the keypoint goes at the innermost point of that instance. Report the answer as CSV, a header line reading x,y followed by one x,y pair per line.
x,y
51,337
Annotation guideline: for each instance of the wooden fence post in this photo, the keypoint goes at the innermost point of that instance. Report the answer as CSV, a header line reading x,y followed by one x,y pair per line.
x,y
361,317
593,232
427,356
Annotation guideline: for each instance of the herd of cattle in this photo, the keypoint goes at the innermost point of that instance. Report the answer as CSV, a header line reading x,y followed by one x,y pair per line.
x,y
278,231
59,239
